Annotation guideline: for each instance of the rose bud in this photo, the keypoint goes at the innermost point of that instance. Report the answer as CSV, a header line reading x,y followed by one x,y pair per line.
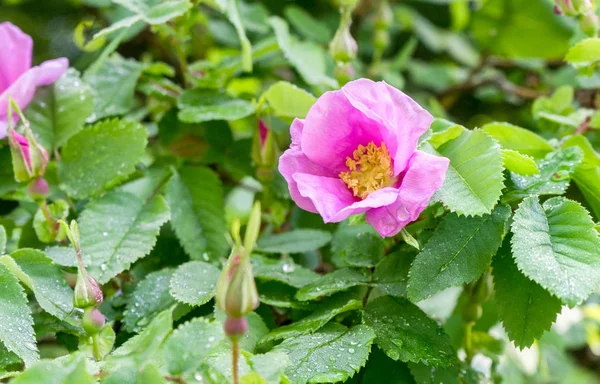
x,y
87,292
92,320
236,290
28,156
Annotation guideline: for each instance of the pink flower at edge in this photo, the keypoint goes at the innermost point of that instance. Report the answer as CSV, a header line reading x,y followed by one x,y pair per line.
x,y
363,114
18,79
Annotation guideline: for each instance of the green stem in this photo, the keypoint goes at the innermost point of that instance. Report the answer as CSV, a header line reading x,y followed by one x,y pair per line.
x,y
96,348
469,341
48,215
235,354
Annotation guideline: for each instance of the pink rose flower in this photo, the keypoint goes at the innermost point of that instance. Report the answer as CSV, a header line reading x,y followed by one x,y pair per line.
x,y
17,78
356,152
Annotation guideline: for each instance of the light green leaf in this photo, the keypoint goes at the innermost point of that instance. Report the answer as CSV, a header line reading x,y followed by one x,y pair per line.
x,y
327,310
443,131
519,163
270,366
308,59
518,139
525,308
587,174
190,344
283,270
195,196
556,245
289,101
59,110
336,281
459,251
2,240
64,256
100,156
69,370
391,273
7,178
296,241
16,323
199,105
332,354
113,86
404,332
473,182
584,54
304,23
231,9
118,229
150,297
59,210
194,282
38,273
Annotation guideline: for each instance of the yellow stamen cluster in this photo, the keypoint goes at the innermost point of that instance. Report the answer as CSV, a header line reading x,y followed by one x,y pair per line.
x,y
370,170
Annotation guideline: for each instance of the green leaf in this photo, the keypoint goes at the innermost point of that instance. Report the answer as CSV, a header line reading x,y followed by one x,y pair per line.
x,y
113,86
304,23
60,110
100,156
270,366
194,282
473,182
257,329
587,174
64,256
364,250
519,163
150,297
515,28
391,273
195,196
556,245
199,105
280,295
525,308
16,323
332,354
45,232
404,332
231,9
191,343
443,131
554,177
308,59
336,281
459,251
2,240
283,270
585,53
296,241
38,273
381,369
289,101
327,310
518,139
69,370
118,229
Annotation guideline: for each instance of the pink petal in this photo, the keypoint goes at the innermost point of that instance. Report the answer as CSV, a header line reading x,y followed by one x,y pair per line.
x,y
401,120
334,202
334,128
15,54
424,175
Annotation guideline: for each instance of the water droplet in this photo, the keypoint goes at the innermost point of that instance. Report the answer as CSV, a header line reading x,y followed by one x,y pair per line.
x,y
350,350
198,377
103,267
104,234
288,268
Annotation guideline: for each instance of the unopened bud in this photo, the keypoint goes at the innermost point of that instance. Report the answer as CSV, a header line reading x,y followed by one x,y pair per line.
x,y
589,24
236,290
384,17
235,327
573,7
264,150
344,73
93,320
87,292
28,156
343,47
38,189
582,6
346,3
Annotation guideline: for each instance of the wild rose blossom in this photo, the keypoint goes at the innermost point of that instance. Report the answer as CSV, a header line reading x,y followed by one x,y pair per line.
x,y
18,79
356,152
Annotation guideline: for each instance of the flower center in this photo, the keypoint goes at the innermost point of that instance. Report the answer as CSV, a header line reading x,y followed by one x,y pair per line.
x,y
370,170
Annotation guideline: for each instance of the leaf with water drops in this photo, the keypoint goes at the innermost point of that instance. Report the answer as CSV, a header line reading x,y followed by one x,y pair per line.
x,y
270,366
519,163
257,329
283,270
190,344
336,281
69,370
333,353
363,250
149,298
404,332
100,156
195,196
555,174
199,105
381,369
16,323
326,310
556,245
45,279
525,308
280,295
118,229
194,282
459,251
59,111
296,241
474,180
391,273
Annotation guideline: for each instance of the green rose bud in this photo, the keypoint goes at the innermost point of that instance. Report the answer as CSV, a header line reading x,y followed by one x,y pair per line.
x,y
589,24
264,151
236,290
343,47
87,292
92,321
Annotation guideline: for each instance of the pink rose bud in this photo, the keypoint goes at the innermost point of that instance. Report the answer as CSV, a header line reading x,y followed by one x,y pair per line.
x,y
87,292
589,24
38,189
565,7
93,320
582,6
264,151
18,79
356,152
236,290
235,327
343,47
29,158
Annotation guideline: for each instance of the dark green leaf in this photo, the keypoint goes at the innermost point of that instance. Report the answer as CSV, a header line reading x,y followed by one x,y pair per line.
x,y
326,285
296,241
